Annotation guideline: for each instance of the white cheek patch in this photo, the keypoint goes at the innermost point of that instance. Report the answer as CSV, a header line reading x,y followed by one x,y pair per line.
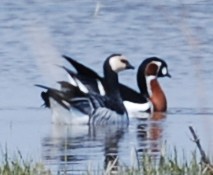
x,y
164,71
116,64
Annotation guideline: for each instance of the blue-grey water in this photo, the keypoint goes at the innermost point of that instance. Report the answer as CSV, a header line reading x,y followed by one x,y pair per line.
x,y
34,35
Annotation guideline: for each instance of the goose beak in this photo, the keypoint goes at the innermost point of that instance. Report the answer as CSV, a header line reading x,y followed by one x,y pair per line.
x,y
129,66
168,75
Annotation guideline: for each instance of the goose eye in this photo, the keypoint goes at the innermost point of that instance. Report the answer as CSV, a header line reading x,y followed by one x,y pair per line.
x,y
124,61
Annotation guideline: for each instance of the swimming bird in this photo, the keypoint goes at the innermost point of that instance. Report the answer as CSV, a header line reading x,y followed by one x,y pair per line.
x,y
147,79
150,98
98,109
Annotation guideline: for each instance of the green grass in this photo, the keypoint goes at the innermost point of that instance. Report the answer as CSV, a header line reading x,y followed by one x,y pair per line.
x,y
168,165
165,165
18,166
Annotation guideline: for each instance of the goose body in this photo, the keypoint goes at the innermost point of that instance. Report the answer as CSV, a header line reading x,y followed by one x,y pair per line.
x,y
94,109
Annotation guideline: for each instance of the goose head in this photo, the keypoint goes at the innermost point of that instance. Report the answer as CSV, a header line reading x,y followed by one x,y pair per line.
x,y
117,63
148,72
157,69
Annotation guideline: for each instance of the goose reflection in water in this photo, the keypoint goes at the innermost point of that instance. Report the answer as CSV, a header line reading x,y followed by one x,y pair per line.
x,y
73,148
150,134
110,136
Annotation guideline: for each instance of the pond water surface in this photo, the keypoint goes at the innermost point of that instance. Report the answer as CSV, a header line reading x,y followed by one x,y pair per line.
x,y
35,34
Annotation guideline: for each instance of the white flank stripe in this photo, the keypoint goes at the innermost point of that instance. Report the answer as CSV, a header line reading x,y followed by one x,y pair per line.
x,y
148,83
66,103
136,107
71,80
101,88
81,86
136,110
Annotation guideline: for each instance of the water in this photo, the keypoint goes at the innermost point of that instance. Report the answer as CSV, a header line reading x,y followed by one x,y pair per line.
x,y
33,36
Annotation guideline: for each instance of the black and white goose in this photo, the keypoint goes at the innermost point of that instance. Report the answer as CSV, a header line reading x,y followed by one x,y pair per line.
x,y
150,98
98,109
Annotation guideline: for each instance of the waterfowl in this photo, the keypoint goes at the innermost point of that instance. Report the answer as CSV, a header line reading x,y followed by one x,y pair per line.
x,y
147,78
151,97
98,109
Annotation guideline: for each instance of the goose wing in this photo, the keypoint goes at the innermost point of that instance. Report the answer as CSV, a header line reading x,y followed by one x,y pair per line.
x,y
81,69
57,95
68,96
87,77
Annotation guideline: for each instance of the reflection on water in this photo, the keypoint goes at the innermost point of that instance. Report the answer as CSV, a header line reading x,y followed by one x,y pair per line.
x,y
74,147
149,135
